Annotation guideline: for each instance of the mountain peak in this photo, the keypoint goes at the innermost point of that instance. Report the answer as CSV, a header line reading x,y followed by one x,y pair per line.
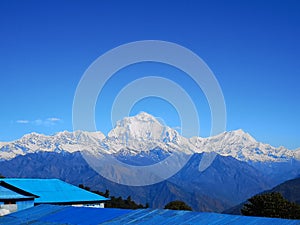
x,y
142,116
32,135
239,132
238,135
143,125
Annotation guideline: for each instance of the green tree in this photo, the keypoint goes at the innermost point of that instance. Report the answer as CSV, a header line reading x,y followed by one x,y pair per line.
x,y
271,205
178,205
106,194
84,187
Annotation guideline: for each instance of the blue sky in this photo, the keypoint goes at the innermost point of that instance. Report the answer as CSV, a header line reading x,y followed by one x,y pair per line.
x,y
252,47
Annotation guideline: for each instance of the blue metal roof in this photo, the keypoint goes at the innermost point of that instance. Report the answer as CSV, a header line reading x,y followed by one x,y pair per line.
x,y
53,214
53,190
6,193
164,217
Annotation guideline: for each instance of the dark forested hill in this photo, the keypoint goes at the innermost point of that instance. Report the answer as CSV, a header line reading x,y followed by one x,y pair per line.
x,y
290,190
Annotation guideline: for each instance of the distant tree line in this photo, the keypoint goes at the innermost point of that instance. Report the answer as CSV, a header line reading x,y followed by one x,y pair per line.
x,y
271,205
128,203
178,205
117,202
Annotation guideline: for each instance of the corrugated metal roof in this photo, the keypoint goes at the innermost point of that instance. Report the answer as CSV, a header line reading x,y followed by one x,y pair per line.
x,y
159,216
53,190
6,193
52,214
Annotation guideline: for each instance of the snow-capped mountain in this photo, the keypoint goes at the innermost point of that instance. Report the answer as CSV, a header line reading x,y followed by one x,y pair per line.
x,y
143,133
142,141
243,146
62,141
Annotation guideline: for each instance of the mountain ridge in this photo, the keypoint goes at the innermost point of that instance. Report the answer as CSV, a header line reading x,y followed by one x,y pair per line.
x,y
143,132
237,165
201,190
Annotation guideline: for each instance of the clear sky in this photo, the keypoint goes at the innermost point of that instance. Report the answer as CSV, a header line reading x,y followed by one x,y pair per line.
x,y
252,47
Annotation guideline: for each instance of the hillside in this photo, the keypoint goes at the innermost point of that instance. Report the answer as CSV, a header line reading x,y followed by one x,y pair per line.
x,y
201,190
289,189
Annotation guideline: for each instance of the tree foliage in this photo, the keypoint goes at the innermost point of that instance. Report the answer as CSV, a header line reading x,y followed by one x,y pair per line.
x,y
271,205
119,202
116,202
178,205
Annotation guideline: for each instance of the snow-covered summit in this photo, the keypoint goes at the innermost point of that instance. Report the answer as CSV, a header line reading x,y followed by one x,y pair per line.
x,y
242,146
62,141
142,133
142,126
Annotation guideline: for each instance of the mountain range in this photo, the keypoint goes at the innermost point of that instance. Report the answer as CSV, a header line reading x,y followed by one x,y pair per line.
x,y
142,133
241,166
